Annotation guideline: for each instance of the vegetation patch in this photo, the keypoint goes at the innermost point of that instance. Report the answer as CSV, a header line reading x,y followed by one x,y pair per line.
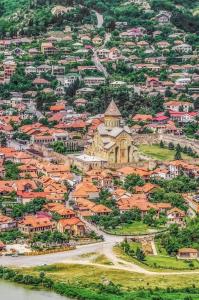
x,y
102,259
155,263
128,280
156,152
134,228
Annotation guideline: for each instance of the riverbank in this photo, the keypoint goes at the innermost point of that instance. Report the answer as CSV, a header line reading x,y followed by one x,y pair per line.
x,y
103,290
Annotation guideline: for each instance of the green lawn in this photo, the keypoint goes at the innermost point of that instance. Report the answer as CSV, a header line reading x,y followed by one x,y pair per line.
x,y
154,151
164,262
88,274
158,263
134,228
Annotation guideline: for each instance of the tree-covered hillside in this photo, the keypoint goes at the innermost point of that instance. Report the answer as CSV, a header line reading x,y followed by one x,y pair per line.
x,y
31,17
8,7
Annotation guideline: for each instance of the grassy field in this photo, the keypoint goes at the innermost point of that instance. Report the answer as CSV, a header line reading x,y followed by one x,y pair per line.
x,y
154,151
129,280
159,263
165,262
134,228
102,260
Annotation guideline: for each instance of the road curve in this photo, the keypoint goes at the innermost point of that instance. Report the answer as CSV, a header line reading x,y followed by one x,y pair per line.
x,y
74,257
100,19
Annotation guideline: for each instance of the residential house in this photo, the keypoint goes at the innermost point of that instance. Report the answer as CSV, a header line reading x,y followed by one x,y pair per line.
x,y
73,226
43,69
163,17
60,209
94,81
7,223
34,224
176,216
70,79
187,253
48,49
40,82
114,53
125,171
183,48
142,118
183,117
178,106
85,189
100,210
103,53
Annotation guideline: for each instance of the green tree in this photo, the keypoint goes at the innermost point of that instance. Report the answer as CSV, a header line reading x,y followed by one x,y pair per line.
x,y
178,155
11,171
133,180
171,146
59,147
161,144
140,254
157,103
3,141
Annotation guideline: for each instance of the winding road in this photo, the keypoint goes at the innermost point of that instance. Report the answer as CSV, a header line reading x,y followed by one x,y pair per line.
x,y
80,256
100,19
95,58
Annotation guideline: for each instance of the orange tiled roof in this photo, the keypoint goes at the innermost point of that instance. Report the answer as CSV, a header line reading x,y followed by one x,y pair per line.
x,y
61,210
177,103
100,208
70,222
5,219
36,222
84,188
57,107
139,117
145,188
32,194
84,203
130,170
176,209
187,250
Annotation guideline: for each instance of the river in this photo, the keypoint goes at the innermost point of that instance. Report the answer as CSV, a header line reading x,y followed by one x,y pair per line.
x,y
10,291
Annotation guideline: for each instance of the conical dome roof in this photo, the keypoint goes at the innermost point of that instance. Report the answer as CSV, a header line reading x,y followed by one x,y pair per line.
x,y
112,110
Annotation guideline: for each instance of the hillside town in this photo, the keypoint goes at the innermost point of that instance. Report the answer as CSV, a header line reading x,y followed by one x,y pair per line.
x,y
99,137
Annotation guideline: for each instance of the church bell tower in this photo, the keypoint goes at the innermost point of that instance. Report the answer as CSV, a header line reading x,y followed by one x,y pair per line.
x,y
112,116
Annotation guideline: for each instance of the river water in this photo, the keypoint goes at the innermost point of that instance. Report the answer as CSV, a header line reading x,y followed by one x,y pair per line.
x,y
9,291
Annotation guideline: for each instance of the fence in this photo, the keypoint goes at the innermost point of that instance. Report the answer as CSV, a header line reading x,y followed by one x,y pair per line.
x,y
49,251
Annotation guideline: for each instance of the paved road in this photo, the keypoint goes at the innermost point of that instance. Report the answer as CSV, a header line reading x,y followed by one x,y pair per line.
x,y
74,257
30,261
100,19
98,64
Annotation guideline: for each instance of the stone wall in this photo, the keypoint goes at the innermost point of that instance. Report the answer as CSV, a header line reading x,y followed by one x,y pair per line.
x,y
50,155
181,140
152,138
